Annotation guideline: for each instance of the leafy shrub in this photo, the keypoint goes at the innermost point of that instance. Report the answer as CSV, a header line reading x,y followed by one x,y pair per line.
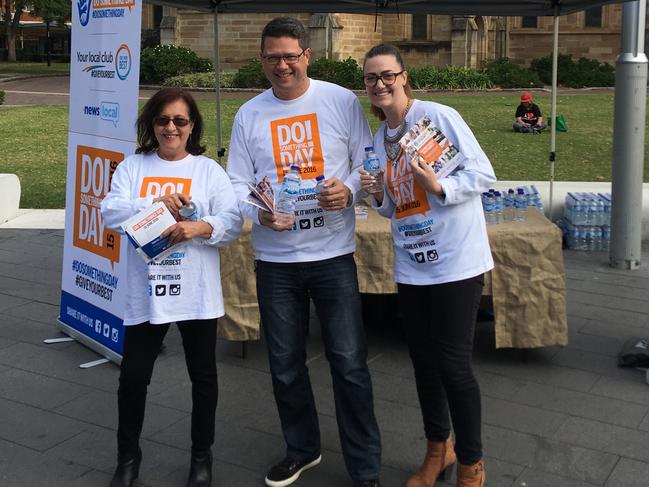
x,y
2,97
201,80
251,75
584,72
149,38
448,78
502,72
345,73
161,62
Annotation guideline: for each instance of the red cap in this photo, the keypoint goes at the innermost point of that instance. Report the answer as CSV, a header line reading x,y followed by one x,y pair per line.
x,y
526,97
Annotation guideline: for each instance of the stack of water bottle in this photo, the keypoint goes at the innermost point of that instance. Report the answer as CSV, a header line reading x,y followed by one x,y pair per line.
x,y
510,206
587,221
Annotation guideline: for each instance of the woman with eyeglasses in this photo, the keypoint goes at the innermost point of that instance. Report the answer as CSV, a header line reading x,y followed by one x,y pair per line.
x,y
441,252
185,286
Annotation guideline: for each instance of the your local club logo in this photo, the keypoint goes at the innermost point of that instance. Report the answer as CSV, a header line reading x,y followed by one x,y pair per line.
x,y
106,64
102,9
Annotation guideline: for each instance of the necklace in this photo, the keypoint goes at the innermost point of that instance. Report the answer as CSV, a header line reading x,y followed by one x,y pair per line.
x,y
391,143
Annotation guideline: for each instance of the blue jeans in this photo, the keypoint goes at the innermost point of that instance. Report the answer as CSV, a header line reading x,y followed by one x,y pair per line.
x,y
283,291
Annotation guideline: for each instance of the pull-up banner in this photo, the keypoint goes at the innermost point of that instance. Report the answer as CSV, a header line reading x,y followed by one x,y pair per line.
x,y
104,85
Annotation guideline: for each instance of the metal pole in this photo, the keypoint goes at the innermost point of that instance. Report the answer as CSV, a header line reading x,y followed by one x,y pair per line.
x,y
628,140
220,152
553,115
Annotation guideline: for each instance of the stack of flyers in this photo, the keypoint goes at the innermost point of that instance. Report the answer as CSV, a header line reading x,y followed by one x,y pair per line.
x,y
143,231
428,143
262,196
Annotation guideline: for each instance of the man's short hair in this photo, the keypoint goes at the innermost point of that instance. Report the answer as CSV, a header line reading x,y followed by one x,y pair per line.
x,y
285,27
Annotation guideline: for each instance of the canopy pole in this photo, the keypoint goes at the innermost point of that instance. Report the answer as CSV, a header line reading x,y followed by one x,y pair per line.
x,y
553,115
628,140
217,67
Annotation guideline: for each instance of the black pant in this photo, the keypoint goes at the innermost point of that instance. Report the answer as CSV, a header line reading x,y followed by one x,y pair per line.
x,y
141,347
439,321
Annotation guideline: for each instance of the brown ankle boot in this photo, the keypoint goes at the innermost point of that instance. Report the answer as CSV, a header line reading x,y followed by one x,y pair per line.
x,y
439,456
470,475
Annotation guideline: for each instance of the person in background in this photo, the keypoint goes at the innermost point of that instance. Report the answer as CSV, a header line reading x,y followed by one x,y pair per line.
x,y
185,287
320,127
441,252
528,116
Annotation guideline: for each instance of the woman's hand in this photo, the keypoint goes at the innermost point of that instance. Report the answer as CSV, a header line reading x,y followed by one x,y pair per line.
x,y
425,175
187,230
174,202
335,195
276,222
367,182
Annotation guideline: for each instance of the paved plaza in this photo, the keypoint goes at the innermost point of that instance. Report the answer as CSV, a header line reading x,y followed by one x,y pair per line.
x,y
565,417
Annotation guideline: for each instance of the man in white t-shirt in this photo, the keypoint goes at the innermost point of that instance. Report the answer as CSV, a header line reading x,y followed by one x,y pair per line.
x,y
320,127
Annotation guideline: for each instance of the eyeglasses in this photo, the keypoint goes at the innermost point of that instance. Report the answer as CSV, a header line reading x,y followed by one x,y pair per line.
x,y
387,78
163,121
288,58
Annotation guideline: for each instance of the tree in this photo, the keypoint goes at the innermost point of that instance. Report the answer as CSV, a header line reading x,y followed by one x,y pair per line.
x,y
49,10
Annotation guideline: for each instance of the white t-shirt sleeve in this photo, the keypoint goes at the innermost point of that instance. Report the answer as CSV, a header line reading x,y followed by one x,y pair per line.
x,y
359,138
475,175
119,204
241,169
224,215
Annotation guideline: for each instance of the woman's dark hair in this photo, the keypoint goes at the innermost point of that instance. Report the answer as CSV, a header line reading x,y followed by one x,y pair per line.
x,y
285,27
387,50
146,140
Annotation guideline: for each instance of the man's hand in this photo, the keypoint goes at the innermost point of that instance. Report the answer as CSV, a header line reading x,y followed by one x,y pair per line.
x,y
335,195
279,223
187,230
425,176
174,202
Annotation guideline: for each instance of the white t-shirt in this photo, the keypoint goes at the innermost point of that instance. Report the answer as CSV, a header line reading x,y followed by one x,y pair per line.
x,y
321,132
438,239
186,285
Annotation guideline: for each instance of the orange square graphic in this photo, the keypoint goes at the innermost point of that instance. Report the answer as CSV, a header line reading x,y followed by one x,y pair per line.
x,y
408,195
94,172
163,186
296,141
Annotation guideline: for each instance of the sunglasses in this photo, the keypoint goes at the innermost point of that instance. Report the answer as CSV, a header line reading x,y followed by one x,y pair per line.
x,y
288,58
163,121
387,78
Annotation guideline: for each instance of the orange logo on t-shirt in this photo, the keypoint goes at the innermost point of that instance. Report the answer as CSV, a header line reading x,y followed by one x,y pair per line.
x,y
95,168
296,141
408,195
163,186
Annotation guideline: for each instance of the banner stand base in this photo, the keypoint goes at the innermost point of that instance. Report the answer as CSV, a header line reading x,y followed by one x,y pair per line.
x,y
94,363
107,353
49,341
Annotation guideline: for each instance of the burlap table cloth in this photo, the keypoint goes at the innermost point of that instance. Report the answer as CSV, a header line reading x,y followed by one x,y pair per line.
x,y
527,283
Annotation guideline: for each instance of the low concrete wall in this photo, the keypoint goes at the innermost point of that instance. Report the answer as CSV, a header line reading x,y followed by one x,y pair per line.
x,y
9,196
562,187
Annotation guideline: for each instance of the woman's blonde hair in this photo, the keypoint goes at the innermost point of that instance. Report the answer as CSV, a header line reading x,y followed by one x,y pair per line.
x,y
387,50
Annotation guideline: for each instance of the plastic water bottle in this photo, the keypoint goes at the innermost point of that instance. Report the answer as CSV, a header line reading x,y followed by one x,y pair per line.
x,y
606,238
334,220
596,244
499,207
288,194
510,203
538,202
488,205
372,165
520,209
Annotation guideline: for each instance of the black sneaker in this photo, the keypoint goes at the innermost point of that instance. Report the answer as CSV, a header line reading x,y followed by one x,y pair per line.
x,y
368,483
288,471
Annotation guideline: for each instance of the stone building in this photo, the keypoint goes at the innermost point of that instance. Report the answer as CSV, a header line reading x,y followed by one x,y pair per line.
x,y
424,39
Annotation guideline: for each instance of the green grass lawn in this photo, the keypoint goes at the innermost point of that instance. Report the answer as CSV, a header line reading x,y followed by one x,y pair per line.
x,y
34,141
10,69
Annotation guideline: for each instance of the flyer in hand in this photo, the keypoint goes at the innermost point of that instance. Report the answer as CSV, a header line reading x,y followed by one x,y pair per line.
x,y
262,195
428,143
143,231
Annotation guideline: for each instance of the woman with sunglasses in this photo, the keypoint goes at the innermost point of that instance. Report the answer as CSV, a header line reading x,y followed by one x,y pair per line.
x,y
184,287
441,252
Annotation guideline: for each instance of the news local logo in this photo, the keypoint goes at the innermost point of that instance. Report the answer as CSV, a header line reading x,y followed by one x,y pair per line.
x,y
94,171
102,9
106,64
107,111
